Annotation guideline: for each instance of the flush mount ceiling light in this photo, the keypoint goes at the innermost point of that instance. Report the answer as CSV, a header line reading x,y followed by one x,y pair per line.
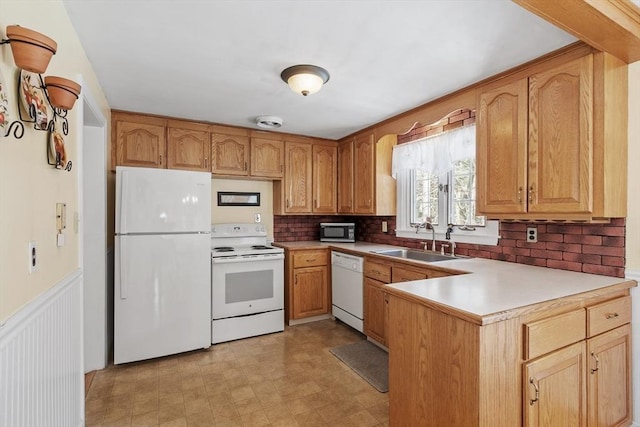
x,y
305,79
269,122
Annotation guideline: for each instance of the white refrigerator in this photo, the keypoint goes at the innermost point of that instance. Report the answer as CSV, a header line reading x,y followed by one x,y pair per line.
x,y
162,295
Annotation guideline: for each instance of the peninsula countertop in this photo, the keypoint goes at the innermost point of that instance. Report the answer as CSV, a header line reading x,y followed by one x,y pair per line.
x,y
491,291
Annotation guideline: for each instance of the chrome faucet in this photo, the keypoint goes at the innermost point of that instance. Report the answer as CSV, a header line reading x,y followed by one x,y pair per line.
x,y
427,226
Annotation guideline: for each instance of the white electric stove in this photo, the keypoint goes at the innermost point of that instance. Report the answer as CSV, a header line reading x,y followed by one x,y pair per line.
x,y
247,283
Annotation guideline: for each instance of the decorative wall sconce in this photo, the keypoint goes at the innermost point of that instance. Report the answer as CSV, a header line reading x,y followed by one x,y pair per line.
x,y
305,79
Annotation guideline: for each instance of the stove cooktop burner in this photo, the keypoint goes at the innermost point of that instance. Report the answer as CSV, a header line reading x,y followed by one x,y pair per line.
x,y
261,247
223,249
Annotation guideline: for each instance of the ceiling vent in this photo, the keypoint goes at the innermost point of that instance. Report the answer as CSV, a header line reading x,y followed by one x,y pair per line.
x,y
269,122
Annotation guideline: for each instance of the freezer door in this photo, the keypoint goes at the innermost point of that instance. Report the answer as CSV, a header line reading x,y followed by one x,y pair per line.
x,y
162,295
162,201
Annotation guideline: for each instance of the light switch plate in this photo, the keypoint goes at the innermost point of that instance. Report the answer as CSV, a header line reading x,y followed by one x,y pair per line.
x,y
384,226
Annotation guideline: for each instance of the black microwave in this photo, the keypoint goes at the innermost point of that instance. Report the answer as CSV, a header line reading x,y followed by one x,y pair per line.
x,y
337,232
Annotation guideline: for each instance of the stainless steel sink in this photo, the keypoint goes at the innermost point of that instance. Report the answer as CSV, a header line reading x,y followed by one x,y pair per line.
x,y
415,255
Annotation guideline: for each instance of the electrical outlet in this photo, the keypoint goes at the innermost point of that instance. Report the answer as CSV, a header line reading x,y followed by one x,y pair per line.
x,y
532,235
32,257
257,217
384,226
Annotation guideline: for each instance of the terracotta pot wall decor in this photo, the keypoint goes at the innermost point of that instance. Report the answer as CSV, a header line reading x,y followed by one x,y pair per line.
x,y
62,92
31,50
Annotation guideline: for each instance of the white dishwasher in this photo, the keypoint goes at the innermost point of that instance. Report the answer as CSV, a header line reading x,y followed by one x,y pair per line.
x,y
347,289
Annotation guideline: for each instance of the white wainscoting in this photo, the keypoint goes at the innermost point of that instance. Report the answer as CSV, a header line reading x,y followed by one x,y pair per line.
x,y
41,360
635,342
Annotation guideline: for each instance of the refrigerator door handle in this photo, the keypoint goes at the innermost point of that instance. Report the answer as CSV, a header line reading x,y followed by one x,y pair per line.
x,y
123,268
124,187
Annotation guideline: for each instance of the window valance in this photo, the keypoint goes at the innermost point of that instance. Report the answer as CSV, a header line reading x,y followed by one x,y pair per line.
x,y
435,154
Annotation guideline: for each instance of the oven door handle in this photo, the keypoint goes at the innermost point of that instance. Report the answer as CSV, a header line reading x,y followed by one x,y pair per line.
x,y
225,260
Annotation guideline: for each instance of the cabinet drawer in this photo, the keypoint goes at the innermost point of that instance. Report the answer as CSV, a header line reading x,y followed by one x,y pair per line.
x,y
608,315
377,271
310,259
403,275
546,335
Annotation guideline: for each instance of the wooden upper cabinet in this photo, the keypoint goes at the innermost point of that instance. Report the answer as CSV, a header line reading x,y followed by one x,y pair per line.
x,y
267,158
298,175
188,146
561,138
325,164
229,154
553,143
345,177
501,147
364,174
139,140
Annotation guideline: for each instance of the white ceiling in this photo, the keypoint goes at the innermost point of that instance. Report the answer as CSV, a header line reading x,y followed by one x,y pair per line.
x,y
220,60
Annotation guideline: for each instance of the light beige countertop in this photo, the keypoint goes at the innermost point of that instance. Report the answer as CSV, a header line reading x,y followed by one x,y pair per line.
x,y
492,291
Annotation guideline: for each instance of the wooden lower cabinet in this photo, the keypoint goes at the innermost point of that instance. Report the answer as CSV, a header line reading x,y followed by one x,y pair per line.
x,y
448,370
609,388
555,389
375,311
307,283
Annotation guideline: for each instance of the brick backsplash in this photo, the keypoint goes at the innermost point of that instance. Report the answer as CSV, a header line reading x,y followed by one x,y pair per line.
x,y
589,248
291,228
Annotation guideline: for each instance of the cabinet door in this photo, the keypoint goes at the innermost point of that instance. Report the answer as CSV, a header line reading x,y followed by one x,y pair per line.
x,y
139,144
229,154
555,389
325,173
364,174
609,388
345,177
501,149
561,138
298,175
188,149
375,311
310,297
267,158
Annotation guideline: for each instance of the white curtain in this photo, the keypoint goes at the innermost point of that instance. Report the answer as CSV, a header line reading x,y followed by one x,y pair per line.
x,y
435,154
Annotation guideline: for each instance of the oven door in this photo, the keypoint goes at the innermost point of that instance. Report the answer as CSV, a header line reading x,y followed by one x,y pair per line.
x,y
241,286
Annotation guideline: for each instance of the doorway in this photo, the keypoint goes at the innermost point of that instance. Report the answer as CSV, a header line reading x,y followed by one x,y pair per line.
x,y
92,201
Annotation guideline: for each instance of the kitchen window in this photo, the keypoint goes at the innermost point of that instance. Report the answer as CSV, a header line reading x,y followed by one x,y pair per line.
x,y
436,179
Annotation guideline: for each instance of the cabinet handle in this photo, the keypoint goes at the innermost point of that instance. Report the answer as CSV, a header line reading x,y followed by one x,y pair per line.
x,y
245,165
206,162
612,315
531,191
315,203
160,158
287,203
519,194
311,260
594,370
532,401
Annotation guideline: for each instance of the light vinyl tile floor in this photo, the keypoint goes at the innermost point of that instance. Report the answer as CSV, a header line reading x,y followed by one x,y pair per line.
x,y
282,379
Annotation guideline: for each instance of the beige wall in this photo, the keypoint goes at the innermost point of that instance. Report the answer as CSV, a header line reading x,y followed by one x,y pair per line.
x,y
633,218
221,214
29,188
